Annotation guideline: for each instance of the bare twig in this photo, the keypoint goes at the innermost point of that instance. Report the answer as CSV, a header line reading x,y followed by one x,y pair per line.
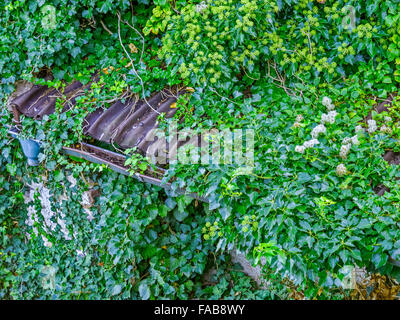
x,y
244,69
105,27
131,26
280,80
132,64
215,91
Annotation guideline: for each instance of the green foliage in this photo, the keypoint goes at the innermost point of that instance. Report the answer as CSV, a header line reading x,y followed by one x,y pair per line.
x,y
76,44
136,162
226,41
34,37
264,65
127,244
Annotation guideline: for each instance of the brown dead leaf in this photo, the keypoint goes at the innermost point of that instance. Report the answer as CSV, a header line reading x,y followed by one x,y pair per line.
x,y
133,48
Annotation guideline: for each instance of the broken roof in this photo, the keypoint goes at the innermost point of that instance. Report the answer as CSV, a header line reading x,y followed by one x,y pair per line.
x,y
126,124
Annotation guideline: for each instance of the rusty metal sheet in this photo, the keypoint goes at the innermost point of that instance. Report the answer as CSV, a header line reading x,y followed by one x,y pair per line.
x,y
126,124
41,100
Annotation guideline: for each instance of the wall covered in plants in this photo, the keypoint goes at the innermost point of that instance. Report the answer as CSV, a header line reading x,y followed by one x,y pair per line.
x,y
306,76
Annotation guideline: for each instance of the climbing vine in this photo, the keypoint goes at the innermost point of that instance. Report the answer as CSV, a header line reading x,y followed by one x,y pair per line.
x,y
316,81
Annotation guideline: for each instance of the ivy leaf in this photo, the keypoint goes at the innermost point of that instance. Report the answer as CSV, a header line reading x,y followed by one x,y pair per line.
x,y
225,212
58,74
116,290
379,259
371,8
75,51
180,215
144,291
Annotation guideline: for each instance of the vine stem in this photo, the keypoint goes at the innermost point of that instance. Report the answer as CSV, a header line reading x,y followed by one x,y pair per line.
x,y
132,64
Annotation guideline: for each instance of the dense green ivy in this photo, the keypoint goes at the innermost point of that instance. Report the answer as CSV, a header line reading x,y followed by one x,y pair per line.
x,y
217,40
302,74
314,205
130,242
133,242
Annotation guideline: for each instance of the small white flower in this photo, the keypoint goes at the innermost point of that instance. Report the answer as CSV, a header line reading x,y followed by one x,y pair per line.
x,y
329,117
331,107
310,143
386,129
354,140
324,118
372,126
359,129
326,101
341,170
346,140
201,6
297,125
332,114
300,149
317,130
299,118
344,150
388,119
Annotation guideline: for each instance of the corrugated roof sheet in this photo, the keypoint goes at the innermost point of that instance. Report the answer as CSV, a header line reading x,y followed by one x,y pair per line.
x,y
124,123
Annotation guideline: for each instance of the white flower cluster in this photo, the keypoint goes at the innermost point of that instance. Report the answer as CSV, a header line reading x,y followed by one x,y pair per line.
x,y
300,149
326,118
346,145
354,140
307,144
201,6
386,129
80,253
344,150
372,126
341,170
359,129
299,119
318,130
329,117
327,102
310,143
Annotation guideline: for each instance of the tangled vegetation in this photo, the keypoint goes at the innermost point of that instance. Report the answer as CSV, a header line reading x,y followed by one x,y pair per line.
x,y
305,75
